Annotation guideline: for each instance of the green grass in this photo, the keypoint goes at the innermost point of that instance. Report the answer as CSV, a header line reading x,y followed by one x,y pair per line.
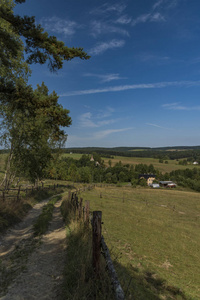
x,y
73,155
162,167
155,236
42,222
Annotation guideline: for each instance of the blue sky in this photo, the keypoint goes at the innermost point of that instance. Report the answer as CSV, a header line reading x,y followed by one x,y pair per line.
x,y
141,86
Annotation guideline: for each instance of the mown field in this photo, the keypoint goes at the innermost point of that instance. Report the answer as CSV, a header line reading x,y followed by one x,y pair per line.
x,y
154,239
162,167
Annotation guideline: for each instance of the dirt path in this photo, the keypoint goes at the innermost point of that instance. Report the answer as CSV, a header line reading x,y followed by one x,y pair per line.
x,y
41,274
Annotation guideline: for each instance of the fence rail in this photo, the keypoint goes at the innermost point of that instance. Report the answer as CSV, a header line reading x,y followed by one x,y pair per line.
x,y
98,242
8,194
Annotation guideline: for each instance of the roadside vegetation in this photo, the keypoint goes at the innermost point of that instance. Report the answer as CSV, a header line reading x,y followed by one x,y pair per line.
x,y
80,281
12,211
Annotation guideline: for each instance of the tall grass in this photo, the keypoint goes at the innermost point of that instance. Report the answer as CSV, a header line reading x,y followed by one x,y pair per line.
x,y
80,282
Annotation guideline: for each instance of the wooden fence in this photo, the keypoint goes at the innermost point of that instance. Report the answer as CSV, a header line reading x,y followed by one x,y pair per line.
x,y
15,193
98,242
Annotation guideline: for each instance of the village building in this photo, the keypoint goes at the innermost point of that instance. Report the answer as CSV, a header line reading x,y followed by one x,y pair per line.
x,y
149,178
92,158
168,183
155,185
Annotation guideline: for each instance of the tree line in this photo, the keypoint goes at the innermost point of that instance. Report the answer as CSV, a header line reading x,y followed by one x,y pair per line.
x,y
190,155
86,171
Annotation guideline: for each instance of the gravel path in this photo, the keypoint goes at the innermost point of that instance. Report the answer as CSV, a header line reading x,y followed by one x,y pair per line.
x,y
41,277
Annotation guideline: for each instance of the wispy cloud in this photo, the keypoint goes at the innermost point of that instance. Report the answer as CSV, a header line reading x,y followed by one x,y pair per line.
x,y
157,13
61,26
133,87
104,133
178,106
99,27
124,20
107,8
151,17
102,47
153,58
158,126
98,120
105,77
96,136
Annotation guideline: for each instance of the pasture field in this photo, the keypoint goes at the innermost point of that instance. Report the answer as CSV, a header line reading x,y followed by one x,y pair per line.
x,y
162,167
154,237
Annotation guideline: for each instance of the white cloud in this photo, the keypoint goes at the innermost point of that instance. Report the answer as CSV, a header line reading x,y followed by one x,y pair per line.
x,y
105,77
61,26
85,120
158,126
133,87
104,133
124,20
178,106
76,141
157,17
157,4
151,17
99,27
98,120
157,12
102,47
106,8
153,58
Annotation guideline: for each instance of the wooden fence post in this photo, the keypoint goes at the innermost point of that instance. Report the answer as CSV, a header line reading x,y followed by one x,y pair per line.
x,y
96,240
80,208
119,293
87,212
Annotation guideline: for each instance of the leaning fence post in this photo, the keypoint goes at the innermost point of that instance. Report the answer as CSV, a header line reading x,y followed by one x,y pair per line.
x,y
96,240
80,208
87,211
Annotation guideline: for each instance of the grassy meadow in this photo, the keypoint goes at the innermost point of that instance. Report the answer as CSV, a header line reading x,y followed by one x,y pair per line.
x,y
154,240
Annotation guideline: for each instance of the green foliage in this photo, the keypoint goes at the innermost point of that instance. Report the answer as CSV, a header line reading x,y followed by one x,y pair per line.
x,y
183,162
39,46
33,131
189,178
134,182
32,120
142,182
